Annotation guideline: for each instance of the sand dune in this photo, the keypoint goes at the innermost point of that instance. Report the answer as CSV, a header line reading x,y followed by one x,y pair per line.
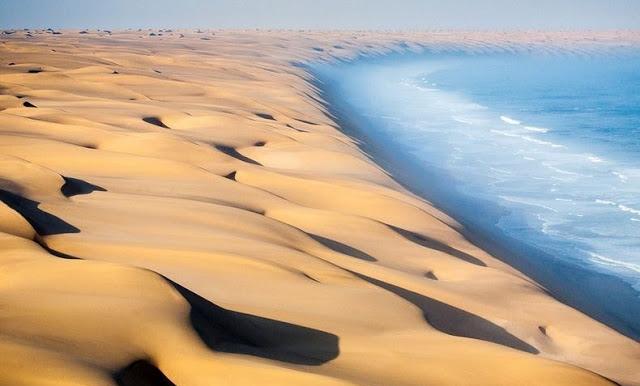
x,y
179,208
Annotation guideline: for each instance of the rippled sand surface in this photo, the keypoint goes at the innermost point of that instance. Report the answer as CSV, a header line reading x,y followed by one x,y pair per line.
x,y
178,207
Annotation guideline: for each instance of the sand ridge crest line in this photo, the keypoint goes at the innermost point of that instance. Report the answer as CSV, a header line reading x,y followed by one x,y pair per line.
x,y
147,233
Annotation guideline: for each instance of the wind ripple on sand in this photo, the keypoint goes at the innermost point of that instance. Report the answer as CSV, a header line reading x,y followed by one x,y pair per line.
x,y
179,208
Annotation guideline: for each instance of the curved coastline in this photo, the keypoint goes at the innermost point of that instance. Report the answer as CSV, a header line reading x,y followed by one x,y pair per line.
x,y
179,207
583,288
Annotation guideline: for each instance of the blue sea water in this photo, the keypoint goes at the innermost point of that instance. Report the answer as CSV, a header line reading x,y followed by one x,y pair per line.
x,y
546,146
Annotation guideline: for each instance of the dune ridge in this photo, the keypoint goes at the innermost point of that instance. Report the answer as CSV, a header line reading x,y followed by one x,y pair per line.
x,y
179,208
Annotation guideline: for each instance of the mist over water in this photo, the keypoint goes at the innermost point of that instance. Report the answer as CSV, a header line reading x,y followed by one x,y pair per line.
x,y
546,144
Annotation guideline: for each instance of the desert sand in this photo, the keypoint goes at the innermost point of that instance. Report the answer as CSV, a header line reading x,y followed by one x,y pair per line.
x,y
178,207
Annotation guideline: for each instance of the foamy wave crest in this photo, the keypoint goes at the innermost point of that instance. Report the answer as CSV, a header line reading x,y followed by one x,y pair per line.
x,y
622,207
510,121
561,171
463,120
603,260
524,201
528,138
595,159
625,208
621,176
536,129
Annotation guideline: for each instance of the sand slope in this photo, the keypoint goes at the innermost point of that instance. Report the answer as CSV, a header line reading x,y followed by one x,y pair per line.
x,y
178,208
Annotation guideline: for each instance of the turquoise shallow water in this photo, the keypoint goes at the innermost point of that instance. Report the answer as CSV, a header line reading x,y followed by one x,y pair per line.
x,y
542,149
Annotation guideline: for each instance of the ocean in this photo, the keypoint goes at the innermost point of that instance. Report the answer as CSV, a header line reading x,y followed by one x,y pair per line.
x,y
536,152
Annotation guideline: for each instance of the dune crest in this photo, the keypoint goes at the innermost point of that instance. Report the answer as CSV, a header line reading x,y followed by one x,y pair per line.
x,y
181,209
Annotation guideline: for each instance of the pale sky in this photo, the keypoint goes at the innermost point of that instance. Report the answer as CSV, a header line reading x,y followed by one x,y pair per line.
x,y
322,14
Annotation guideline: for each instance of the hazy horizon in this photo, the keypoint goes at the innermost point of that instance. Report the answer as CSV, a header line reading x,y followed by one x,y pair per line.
x,y
330,14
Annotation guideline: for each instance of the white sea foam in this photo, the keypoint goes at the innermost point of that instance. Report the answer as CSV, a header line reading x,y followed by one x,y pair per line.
x,y
510,121
595,159
604,260
500,170
540,142
622,207
463,120
544,225
536,129
625,208
528,203
527,138
561,171
621,176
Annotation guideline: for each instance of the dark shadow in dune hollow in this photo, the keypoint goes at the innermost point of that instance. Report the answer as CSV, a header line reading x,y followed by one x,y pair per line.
x,y
45,224
307,122
454,321
430,275
235,332
234,153
74,186
155,121
430,243
55,253
265,116
141,373
342,248
296,129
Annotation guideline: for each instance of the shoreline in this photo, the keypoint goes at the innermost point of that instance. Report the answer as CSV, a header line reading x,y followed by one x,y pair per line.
x,y
194,186
513,252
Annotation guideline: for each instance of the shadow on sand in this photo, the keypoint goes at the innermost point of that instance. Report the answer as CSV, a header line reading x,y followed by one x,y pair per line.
x,y
454,321
74,186
45,224
342,248
230,151
430,243
235,332
141,373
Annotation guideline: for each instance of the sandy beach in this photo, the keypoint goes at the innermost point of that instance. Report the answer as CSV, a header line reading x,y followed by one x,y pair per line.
x,y
180,207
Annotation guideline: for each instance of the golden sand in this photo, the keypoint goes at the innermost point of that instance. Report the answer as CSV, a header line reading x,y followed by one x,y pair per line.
x,y
181,208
